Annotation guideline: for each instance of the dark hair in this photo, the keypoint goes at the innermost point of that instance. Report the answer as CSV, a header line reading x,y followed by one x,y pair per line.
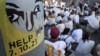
x,y
49,12
44,15
53,25
53,11
69,18
60,22
86,36
65,9
66,31
59,14
78,26
73,12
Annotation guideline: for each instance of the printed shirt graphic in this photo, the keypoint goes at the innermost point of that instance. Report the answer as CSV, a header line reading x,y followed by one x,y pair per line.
x,y
21,24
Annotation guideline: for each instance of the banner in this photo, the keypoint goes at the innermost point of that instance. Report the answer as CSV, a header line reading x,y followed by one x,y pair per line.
x,y
21,24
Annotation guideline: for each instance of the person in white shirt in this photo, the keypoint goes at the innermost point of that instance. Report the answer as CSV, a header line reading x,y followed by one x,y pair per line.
x,y
51,18
76,18
53,41
78,9
69,24
86,12
77,33
66,12
61,26
85,46
85,6
65,19
66,15
72,15
93,23
62,11
65,36
58,18
56,10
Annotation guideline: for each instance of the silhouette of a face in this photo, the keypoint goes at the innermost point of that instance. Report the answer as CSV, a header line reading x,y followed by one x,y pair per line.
x,y
25,14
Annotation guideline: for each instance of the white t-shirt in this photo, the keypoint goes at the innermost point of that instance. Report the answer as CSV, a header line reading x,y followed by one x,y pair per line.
x,y
93,22
72,16
96,5
77,35
61,27
58,19
76,19
78,9
62,11
58,45
84,48
69,24
46,12
66,13
68,40
51,21
86,12
65,19
57,11
85,4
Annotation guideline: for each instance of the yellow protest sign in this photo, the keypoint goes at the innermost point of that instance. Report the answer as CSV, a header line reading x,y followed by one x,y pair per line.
x,y
21,24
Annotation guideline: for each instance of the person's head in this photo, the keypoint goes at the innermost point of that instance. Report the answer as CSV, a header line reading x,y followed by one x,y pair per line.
x,y
69,19
86,36
53,11
61,8
54,33
65,9
73,12
21,13
51,15
59,14
60,22
78,26
53,25
66,31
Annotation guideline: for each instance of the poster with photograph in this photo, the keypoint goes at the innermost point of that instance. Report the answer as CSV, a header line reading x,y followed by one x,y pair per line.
x,y
21,24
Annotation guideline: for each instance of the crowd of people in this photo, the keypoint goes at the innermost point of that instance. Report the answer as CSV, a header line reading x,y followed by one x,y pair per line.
x,y
63,27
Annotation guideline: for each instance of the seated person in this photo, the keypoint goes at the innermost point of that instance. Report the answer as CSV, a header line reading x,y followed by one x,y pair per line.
x,y
69,24
61,26
53,41
85,46
93,22
77,33
65,36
